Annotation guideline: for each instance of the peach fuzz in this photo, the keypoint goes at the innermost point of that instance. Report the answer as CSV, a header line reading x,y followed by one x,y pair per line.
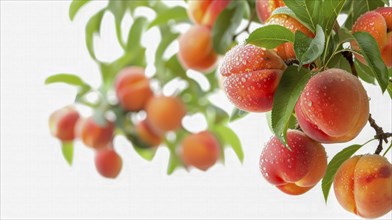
x,y
333,107
108,163
205,12
286,50
62,123
264,8
165,113
377,23
250,76
133,88
147,134
94,135
200,150
196,50
363,185
297,171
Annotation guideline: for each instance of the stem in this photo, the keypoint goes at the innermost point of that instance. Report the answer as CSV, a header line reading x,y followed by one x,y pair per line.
x,y
380,135
349,57
385,153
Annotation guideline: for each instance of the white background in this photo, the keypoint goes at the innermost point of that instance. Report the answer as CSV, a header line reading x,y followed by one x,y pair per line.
x,y
38,39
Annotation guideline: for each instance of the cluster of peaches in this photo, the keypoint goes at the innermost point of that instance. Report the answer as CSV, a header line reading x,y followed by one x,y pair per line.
x,y
333,107
164,114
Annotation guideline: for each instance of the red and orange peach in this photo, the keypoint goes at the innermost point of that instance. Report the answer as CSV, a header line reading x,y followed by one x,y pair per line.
x,y
133,88
94,135
200,150
250,76
62,123
147,134
363,185
333,107
206,12
108,163
264,8
297,171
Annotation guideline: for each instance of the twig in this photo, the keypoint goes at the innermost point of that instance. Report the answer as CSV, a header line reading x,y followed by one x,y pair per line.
x,y
380,135
349,57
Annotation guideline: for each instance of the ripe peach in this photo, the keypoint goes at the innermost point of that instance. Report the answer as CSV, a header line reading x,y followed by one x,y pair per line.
x,y
363,185
264,8
250,76
378,23
147,134
108,163
333,107
133,88
94,135
297,171
195,49
206,12
200,150
62,123
286,50
165,113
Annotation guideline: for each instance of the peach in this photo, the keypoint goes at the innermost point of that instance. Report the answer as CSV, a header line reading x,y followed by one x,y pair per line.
x,y
94,135
333,107
165,113
264,8
195,49
297,171
108,163
200,150
377,23
206,12
363,185
147,134
250,76
286,50
62,123
133,88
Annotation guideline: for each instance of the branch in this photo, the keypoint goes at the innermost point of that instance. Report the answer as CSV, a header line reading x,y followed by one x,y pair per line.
x,y
349,57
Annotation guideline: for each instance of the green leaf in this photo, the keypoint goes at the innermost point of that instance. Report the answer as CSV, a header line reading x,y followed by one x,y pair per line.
x,y
67,149
69,79
118,9
306,49
75,7
339,61
177,14
286,11
146,153
364,72
216,115
334,165
289,89
226,25
372,55
230,138
135,35
237,114
331,9
270,36
306,10
93,27
389,89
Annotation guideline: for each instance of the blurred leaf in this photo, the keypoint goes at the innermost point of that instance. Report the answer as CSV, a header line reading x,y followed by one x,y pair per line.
x,y
372,55
237,114
217,115
307,49
270,36
334,165
146,153
93,27
364,72
175,67
174,160
66,78
135,35
176,14
230,138
67,149
118,9
289,89
75,6
226,25
99,117
134,4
